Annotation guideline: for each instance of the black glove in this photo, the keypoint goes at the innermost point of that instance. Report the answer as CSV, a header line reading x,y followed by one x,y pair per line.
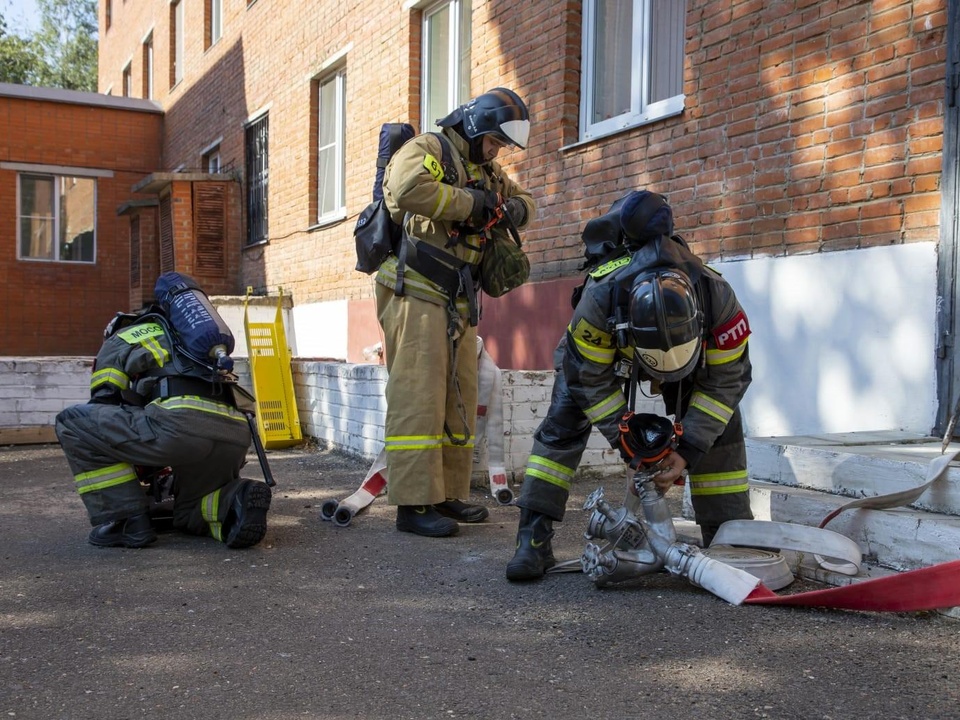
x,y
486,204
517,211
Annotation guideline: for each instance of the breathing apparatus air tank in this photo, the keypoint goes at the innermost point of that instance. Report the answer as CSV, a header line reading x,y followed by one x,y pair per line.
x,y
199,327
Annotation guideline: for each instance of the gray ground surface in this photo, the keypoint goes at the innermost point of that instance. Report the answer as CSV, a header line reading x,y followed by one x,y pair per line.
x,y
366,622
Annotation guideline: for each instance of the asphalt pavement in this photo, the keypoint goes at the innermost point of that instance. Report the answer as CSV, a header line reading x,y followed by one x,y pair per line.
x,y
365,622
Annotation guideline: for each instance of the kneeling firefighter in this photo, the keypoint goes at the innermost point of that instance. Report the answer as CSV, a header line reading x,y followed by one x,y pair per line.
x,y
162,395
649,311
448,191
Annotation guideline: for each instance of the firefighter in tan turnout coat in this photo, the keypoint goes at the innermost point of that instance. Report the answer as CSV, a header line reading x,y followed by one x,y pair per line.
x,y
427,303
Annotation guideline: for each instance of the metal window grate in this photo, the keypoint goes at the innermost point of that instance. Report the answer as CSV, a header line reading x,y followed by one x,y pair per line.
x,y
258,174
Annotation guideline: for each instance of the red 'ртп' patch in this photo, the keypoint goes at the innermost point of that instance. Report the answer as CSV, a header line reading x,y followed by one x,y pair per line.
x,y
732,333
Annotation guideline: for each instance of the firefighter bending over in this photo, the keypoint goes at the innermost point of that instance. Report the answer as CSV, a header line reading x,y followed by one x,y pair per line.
x,y
156,401
650,311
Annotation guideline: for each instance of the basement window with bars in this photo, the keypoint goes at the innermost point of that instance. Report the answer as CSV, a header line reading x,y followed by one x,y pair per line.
x,y
632,71
258,179
56,218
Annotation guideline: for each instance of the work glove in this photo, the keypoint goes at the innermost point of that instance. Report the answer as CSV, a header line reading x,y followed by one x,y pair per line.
x,y
516,210
486,208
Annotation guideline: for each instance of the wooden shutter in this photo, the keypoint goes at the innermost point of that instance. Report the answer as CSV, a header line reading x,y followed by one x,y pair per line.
x,y
209,228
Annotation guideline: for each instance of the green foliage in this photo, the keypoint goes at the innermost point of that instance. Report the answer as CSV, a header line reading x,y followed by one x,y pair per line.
x,y
18,59
62,53
67,39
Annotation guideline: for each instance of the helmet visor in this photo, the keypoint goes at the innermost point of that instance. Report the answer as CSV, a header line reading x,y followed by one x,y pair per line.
x,y
669,365
517,132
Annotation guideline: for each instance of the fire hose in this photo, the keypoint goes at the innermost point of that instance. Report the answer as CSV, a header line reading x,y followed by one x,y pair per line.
x,y
489,430
639,538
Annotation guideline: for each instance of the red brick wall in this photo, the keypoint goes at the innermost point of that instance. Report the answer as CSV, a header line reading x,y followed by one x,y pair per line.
x,y
809,126
52,308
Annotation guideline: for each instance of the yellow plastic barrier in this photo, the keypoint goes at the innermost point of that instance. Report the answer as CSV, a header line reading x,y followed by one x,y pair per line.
x,y
277,416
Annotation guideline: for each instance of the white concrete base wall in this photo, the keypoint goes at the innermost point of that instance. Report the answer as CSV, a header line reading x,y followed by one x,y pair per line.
x,y
339,403
34,389
842,341
344,405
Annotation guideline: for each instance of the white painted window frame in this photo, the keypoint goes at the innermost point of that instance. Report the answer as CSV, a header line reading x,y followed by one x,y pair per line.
x,y
56,172
641,111
459,74
337,76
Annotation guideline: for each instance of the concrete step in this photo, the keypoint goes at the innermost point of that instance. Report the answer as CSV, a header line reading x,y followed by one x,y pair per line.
x,y
898,538
803,479
857,465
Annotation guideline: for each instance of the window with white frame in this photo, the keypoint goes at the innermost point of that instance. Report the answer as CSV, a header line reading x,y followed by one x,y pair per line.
x,y
128,80
213,16
148,67
632,63
210,159
446,58
331,165
176,42
56,217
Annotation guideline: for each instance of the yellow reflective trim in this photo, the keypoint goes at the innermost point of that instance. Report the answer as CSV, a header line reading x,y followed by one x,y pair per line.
x,y
106,477
110,376
609,267
601,357
160,355
711,407
548,478
721,357
413,442
605,407
433,166
592,335
593,343
551,464
443,200
194,402
550,471
719,483
210,510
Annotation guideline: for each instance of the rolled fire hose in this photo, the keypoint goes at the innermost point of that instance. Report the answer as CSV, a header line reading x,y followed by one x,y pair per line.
x,y
489,425
373,484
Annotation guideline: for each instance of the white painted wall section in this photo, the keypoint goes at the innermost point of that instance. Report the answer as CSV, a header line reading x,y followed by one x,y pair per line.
x,y
842,341
321,330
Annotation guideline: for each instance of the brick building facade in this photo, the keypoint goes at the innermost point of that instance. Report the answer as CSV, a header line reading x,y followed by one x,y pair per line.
x,y
797,128
67,163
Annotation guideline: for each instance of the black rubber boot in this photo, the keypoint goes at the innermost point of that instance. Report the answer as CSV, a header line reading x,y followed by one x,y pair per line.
x,y
132,532
461,512
246,521
534,554
425,520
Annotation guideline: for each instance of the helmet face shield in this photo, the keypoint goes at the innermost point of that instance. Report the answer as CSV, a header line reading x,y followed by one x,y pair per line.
x,y
665,324
499,112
